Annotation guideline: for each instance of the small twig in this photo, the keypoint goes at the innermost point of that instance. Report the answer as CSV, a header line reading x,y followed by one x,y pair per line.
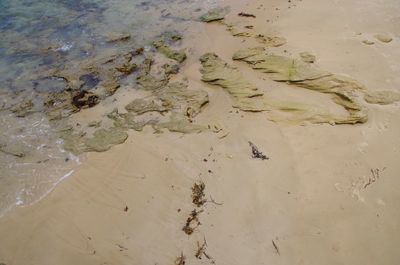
x,y
213,201
276,247
201,250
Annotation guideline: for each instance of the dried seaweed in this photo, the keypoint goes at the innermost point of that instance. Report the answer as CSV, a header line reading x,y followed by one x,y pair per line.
x,y
198,194
192,222
242,14
256,153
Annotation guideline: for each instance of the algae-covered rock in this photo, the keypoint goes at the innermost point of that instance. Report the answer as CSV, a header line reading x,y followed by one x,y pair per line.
x,y
270,41
382,97
178,56
170,69
385,38
130,120
95,124
267,41
179,123
150,82
215,14
23,108
92,80
140,106
285,69
14,149
215,71
307,57
117,36
178,97
103,139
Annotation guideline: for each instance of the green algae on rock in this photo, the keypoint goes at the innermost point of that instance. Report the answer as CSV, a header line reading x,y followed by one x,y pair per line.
x,y
307,57
267,41
161,47
215,14
23,108
141,106
382,97
179,123
86,84
117,36
298,73
102,140
176,97
215,71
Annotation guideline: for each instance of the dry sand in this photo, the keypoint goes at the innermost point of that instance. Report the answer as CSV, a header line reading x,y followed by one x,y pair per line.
x,y
315,201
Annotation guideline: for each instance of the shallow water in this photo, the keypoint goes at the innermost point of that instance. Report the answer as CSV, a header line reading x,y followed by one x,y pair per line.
x,y
41,36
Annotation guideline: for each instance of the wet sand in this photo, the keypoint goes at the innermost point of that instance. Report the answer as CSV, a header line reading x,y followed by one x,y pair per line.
x,y
326,195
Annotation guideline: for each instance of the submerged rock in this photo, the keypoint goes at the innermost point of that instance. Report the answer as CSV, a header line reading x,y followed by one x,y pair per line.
x,y
215,14
85,85
161,47
23,108
102,140
382,97
116,36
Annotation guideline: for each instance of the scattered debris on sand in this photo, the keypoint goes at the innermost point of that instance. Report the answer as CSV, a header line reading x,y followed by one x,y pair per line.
x,y
201,250
375,175
256,153
192,222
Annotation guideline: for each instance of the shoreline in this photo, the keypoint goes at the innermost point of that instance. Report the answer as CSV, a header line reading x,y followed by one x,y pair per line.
x,y
325,195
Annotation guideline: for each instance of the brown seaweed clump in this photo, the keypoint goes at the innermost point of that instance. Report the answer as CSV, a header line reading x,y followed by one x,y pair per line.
x,y
192,222
198,194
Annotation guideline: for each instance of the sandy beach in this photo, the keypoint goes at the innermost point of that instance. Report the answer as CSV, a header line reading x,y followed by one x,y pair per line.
x,y
313,191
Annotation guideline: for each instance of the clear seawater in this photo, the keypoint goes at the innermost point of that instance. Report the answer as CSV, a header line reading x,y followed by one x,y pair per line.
x,y
40,35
